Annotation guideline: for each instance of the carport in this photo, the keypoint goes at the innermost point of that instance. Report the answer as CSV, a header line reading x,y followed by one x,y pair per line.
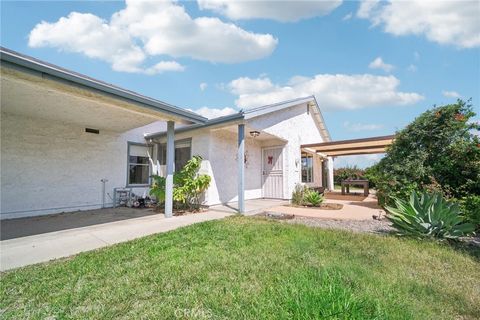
x,y
62,132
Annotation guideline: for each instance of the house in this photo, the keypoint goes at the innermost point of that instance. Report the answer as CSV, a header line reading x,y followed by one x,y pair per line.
x,y
274,161
67,140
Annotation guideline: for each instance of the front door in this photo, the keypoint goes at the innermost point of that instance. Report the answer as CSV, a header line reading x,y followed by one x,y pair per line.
x,y
272,173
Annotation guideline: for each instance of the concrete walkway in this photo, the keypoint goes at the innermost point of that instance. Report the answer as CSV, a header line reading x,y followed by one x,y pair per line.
x,y
53,245
72,233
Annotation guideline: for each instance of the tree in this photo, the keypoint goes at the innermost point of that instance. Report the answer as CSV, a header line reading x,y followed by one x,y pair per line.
x,y
438,151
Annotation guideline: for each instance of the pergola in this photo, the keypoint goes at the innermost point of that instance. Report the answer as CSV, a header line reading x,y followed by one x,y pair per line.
x,y
331,149
351,147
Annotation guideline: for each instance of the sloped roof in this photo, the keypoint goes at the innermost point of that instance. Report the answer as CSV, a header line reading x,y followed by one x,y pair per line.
x,y
26,62
255,112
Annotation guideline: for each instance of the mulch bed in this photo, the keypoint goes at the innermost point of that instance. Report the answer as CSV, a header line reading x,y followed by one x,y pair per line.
x,y
181,212
323,206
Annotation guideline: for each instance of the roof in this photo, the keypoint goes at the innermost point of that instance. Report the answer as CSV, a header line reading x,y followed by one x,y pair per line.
x,y
352,147
24,61
252,113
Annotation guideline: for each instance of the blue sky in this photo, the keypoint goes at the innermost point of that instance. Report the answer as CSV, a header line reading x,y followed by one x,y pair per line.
x,y
371,72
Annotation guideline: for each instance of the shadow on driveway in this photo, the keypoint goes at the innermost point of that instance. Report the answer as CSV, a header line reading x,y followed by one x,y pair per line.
x,y
22,227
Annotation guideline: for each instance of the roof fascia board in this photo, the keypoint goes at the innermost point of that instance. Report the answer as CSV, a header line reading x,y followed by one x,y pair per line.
x,y
217,122
252,113
321,120
90,83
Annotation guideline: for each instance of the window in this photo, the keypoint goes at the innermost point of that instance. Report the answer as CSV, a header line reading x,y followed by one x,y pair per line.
x,y
307,168
183,150
138,164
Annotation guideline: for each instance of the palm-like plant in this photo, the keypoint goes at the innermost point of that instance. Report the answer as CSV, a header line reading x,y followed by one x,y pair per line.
x,y
428,216
313,198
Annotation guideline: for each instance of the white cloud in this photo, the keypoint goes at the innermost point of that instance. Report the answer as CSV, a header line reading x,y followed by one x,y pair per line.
x,y
356,127
416,55
203,86
378,63
347,16
412,68
284,11
211,113
244,84
333,91
163,66
150,28
88,34
444,22
451,94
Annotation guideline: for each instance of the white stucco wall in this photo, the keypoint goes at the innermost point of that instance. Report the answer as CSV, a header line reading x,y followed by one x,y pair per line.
x,y
298,127
223,163
49,167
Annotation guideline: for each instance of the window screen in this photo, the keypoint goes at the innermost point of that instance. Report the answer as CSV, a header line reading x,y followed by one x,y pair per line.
x,y
183,152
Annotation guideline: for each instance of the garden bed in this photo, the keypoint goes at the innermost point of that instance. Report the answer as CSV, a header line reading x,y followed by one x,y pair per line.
x,y
182,212
323,206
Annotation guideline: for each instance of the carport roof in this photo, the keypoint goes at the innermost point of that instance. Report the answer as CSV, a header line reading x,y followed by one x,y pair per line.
x,y
25,62
351,147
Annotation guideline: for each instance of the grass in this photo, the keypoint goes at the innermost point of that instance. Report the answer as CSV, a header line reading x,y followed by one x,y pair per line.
x,y
250,268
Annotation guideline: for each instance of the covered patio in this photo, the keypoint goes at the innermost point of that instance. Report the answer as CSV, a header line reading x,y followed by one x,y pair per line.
x,y
66,138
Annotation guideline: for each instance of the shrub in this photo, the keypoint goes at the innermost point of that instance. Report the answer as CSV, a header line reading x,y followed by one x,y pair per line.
x,y
438,151
428,216
470,206
313,198
188,185
299,193
346,173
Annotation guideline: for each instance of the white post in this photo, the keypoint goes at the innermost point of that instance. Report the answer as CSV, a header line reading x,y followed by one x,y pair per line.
x,y
241,168
330,183
170,169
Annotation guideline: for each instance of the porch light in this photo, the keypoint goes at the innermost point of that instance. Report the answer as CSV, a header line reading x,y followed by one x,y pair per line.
x,y
254,133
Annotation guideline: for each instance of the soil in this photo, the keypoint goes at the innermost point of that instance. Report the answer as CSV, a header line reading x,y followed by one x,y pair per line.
x,y
323,206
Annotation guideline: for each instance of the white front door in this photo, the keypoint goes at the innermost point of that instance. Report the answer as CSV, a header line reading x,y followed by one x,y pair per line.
x,y
272,173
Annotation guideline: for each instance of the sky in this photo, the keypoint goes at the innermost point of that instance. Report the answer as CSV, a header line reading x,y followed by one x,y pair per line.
x,y
373,66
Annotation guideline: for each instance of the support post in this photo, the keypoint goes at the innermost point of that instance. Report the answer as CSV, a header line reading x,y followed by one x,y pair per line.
x,y
170,169
330,183
241,168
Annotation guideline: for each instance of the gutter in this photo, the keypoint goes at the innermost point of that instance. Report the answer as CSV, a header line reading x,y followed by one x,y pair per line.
x,y
209,123
31,63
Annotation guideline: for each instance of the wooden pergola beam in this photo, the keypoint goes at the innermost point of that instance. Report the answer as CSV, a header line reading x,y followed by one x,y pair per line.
x,y
352,147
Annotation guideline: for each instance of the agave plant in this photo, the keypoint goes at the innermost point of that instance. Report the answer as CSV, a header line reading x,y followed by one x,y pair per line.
x,y
428,216
313,198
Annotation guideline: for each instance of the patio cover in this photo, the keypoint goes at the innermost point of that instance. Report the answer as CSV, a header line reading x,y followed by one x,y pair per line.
x,y
351,147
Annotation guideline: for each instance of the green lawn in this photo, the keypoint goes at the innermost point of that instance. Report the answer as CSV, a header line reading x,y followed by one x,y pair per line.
x,y
248,268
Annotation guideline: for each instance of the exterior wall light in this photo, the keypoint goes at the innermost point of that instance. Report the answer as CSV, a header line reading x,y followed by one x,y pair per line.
x,y
254,133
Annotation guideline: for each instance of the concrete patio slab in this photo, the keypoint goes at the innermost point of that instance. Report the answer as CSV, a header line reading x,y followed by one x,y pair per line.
x,y
22,227
352,210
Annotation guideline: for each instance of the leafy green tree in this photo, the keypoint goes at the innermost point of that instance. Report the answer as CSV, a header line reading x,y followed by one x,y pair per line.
x,y
439,151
